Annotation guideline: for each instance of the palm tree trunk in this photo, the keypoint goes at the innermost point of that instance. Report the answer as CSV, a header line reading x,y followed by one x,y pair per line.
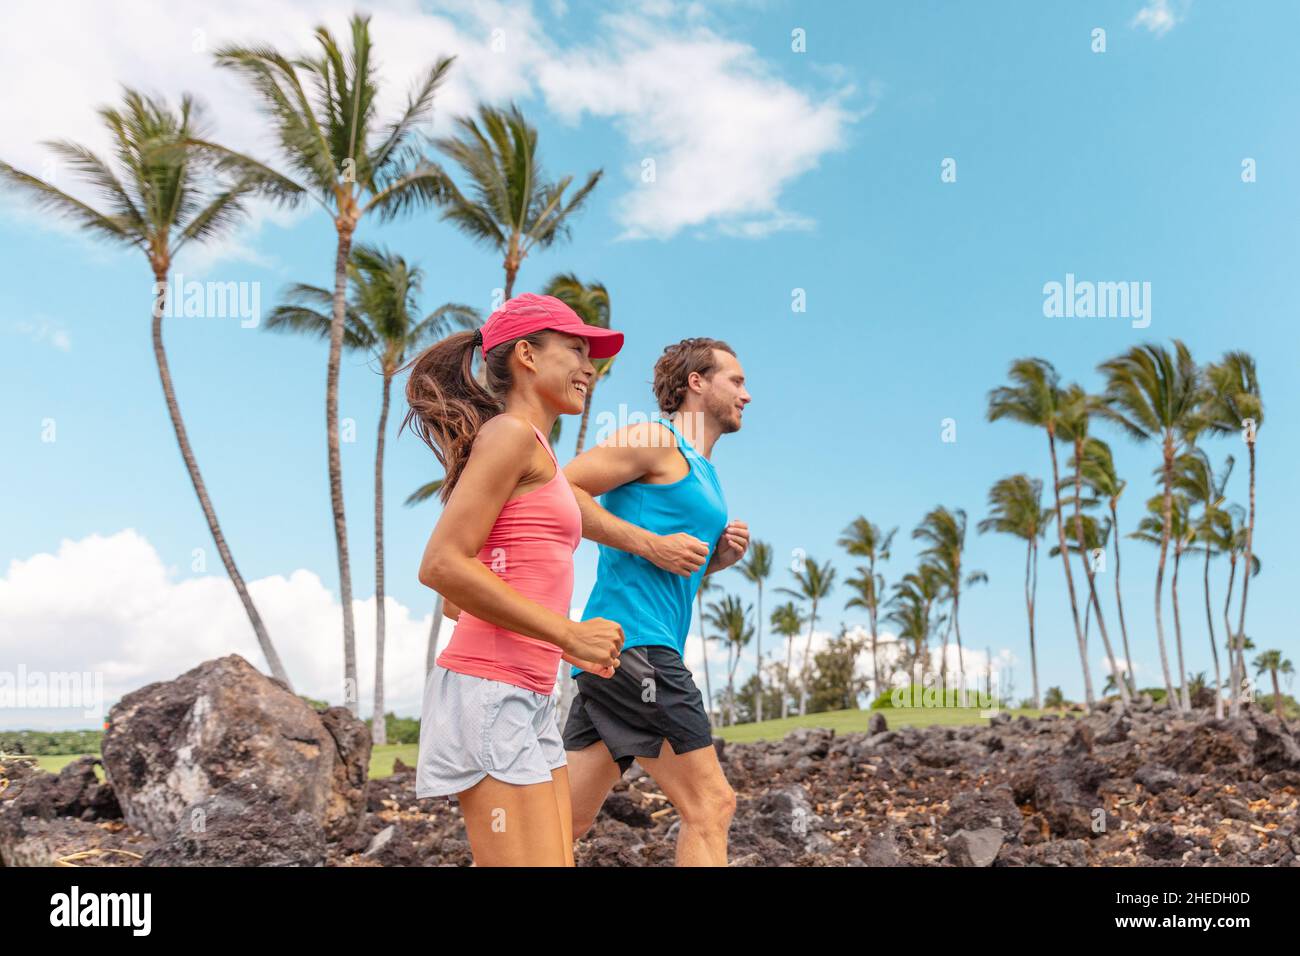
x,y
209,513
1234,681
704,645
1030,553
512,265
1178,631
1214,648
1119,602
1087,621
586,413
350,689
1092,578
956,627
871,611
1167,512
785,691
431,655
731,685
1277,696
1246,569
379,724
758,703
1069,577
943,660
803,671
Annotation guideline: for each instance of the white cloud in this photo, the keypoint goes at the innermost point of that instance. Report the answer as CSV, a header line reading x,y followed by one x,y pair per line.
x,y
1157,17
109,605
727,134
43,330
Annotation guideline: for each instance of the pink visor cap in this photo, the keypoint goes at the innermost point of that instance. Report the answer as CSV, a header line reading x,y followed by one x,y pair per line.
x,y
528,313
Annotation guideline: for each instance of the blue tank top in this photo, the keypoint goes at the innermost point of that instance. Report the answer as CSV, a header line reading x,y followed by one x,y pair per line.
x,y
653,605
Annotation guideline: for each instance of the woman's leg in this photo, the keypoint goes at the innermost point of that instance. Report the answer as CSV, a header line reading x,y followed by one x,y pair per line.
x,y
563,805
515,825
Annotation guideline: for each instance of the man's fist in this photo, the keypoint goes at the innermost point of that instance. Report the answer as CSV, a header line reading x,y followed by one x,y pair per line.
x,y
679,553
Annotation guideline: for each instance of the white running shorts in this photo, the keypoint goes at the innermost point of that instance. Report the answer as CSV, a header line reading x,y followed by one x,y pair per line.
x,y
471,727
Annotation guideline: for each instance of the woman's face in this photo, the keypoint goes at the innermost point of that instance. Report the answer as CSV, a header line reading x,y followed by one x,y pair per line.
x,y
564,372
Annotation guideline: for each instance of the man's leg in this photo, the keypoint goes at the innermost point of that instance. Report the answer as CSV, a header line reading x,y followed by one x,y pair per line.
x,y
592,772
697,787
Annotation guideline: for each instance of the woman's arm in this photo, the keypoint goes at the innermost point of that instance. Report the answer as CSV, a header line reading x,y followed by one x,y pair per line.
x,y
498,460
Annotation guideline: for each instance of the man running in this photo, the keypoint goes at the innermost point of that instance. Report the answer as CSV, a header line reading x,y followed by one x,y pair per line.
x,y
662,527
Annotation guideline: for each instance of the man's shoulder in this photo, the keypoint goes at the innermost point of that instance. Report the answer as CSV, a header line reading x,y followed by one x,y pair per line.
x,y
641,435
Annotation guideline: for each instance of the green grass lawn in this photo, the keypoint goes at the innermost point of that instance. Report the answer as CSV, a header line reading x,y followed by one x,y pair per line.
x,y
841,721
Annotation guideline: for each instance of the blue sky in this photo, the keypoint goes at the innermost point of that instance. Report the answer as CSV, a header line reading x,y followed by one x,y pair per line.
x,y
777,171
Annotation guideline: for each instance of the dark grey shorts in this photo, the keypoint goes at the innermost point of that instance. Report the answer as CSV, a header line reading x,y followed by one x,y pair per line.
x,y
651,698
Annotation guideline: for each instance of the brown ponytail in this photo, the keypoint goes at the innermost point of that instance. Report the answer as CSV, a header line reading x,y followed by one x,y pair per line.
x,y
448,405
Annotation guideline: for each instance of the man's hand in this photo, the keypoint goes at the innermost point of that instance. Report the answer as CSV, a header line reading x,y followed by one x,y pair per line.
x,y
732,546
679,553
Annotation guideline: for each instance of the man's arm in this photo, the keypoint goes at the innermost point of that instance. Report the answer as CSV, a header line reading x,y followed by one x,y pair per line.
x,y
629,456
732,545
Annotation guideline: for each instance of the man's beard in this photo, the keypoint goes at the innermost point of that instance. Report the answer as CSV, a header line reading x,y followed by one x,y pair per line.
x,y
724,414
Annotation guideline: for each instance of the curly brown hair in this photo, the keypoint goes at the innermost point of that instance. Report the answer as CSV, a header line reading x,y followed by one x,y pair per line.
x,y
674,368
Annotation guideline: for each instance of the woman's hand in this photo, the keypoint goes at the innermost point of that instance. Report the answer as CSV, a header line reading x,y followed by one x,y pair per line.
x,y
594,645
587,666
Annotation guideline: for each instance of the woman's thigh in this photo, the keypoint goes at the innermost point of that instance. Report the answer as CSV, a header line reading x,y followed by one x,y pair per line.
x,y
564,805
516,825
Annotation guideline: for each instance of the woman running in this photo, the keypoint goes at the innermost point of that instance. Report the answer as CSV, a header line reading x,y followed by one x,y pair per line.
x,y
502,553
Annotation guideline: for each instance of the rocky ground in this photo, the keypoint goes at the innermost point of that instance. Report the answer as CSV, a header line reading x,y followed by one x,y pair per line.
x,y
1146,788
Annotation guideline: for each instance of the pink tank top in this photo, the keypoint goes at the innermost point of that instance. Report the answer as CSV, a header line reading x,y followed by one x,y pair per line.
x,y
530,547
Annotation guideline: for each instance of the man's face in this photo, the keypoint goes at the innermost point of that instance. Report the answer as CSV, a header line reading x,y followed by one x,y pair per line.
x,y
725,396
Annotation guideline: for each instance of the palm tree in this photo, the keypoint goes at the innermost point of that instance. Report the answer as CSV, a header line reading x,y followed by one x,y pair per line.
x,y
1077,408
1034,398
382,319
514,208
1097,469
426,491
1016,508
591,302
1194,476
1234,544
1180,534
332,142
815,582
732,622
1089,538
756,568
787,621
705,585
163,195
909,611
863,539
1153,394
1234,404
1273,663
945,531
